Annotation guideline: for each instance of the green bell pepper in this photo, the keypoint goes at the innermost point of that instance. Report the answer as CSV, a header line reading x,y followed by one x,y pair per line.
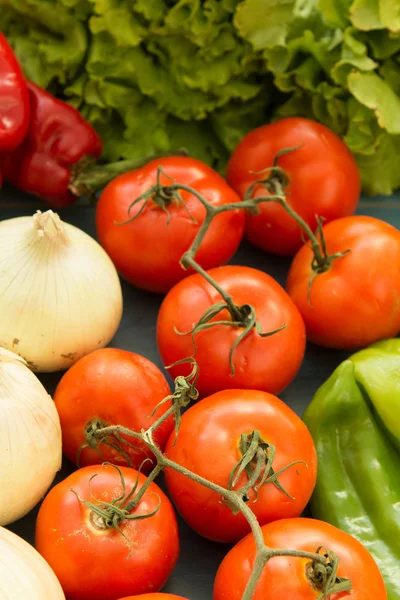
x,y
378,373
354,420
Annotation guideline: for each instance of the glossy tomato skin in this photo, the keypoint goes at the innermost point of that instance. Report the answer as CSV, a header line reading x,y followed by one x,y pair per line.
x,y
285,577
147,251
218,422
355,302
267,364
324,179
94,563
118,388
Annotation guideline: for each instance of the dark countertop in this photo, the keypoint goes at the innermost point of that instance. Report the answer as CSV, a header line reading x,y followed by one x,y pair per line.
x,y
199,559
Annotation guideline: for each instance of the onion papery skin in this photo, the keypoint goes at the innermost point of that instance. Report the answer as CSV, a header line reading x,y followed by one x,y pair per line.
x,y
24,574
30,439
60,294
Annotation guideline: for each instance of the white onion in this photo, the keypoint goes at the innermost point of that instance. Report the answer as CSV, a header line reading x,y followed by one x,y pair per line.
x,y
60,295
30,439
24,574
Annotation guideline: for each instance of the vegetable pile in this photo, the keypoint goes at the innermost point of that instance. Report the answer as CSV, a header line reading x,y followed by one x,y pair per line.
x,y
152,76
240,466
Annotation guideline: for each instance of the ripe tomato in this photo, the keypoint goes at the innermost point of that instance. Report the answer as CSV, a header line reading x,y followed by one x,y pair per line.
x,y
267,364
286,577
155,597
94,561
114,387
324,180
356,301
147,251
219,421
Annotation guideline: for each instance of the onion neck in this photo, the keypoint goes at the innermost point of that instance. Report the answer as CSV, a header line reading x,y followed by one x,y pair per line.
x,y
48,225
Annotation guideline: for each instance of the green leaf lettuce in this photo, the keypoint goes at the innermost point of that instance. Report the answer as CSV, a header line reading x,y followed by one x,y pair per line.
x,y
154,75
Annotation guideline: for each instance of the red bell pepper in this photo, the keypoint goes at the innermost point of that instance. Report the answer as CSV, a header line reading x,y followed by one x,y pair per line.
x,y
56,161
14,100
58,140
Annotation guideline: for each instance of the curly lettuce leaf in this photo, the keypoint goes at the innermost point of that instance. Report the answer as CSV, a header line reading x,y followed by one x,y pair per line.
x,y
374,93
375,150
190,62
152,75
390,14
366,15
381,43
354,55
372,15
48,37
236,119
335,12
199,139
264,24
379,170
389,71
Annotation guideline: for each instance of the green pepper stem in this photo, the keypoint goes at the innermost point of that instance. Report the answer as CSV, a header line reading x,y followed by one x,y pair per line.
x,y
89,177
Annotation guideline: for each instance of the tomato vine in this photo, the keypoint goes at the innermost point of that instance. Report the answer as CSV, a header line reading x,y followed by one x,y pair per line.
x,y
257,456
322,568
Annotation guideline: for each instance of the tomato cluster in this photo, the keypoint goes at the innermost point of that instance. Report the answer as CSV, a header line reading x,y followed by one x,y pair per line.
x,y
247,336
351,301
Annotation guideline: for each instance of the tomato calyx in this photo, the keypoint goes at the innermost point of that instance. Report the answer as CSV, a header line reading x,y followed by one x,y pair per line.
x,y
110,515
97,432
184,393
257,461
243,317
275,182
94,436
163,196
323,575
322,261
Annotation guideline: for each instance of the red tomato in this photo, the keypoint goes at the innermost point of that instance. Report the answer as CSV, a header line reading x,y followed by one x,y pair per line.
x,y
147,251
286,577
115,387
267,364
324,180
93,561
219,422
155,597
355,302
